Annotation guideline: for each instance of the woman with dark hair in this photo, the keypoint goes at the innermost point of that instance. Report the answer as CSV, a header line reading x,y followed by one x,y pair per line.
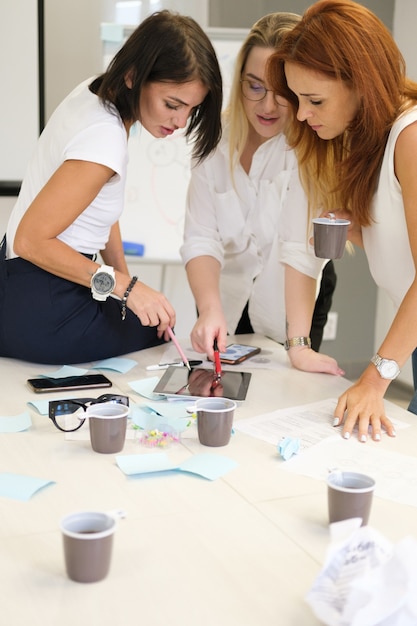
x,y
354,130
54,295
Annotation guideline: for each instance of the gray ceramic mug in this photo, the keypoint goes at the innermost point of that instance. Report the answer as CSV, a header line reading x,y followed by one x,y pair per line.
x,y
330,235
215,420
349,495
108,422
88,542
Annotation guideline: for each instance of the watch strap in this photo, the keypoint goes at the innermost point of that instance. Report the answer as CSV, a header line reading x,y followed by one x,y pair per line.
x,y
297,341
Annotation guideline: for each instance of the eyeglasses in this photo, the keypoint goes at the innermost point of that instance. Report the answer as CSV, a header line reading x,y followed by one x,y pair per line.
x,y
67,415
251,90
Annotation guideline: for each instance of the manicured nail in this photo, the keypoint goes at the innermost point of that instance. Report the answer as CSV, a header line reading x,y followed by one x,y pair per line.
x,y
377,437
336,421
363,438
346,435
394,434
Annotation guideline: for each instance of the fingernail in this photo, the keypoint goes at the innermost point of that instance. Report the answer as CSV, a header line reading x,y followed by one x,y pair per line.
x,y
363,438
346,435
377,437
394,434
336,421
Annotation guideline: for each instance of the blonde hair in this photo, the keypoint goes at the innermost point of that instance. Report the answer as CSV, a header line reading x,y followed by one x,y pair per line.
x,y
345,42
267,32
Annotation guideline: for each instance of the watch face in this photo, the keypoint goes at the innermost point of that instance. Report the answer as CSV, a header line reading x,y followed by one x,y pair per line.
x,y
103,282
389,369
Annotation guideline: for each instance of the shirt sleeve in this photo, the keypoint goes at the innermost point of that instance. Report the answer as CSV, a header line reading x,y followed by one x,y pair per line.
x,y
201,234
104,143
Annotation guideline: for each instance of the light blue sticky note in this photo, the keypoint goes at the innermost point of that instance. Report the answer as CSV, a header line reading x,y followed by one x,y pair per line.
x,y
170,409
210,466
42,406
146,419
19,487
132,464
116,364
64,371
15,423
145,387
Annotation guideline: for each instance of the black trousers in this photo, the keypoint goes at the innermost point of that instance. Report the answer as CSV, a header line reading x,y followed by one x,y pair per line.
x,y
321,309
47,319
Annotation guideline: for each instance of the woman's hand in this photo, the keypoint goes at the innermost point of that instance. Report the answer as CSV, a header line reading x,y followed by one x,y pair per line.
x,y
151,307
209,326
308,360
363,404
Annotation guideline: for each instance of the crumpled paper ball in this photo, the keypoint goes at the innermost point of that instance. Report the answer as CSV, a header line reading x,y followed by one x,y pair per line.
x,y
366,581
288,446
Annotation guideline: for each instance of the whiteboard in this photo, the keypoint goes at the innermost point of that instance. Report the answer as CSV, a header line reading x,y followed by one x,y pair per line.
x,y
19,80
159,172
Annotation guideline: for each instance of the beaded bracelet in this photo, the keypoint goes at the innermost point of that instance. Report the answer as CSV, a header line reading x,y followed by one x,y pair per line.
x,y
126,295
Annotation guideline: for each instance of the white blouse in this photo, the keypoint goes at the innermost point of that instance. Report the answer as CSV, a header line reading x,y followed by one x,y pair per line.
x,y
386,241
252,227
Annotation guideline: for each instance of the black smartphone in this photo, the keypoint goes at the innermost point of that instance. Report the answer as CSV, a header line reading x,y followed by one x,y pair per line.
x,y
87,381
237,352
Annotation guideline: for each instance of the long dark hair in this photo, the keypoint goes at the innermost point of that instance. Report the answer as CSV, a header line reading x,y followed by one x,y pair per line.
x,y
167,47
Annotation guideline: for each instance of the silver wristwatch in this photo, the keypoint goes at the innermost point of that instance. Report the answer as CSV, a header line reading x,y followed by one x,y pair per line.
x,y
387,368
103,282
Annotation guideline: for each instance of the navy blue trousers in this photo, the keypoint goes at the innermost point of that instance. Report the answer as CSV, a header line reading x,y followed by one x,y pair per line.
x,y
47,319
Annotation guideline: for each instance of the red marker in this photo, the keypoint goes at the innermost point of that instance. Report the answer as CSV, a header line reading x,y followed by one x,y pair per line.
x,y
217,364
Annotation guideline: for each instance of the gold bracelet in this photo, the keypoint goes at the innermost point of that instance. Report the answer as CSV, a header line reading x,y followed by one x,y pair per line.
x,y
297,341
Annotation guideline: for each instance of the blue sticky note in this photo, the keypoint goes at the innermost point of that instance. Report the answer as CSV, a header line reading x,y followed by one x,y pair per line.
x,y
64,371
145,387
117,364
132,464
19,487
210,466
146,419
42,406
15,423
171,409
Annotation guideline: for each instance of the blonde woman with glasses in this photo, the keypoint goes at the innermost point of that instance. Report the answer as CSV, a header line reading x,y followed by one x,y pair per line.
x,y
246,250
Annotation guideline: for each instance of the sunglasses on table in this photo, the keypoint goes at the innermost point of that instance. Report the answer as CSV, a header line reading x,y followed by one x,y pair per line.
x,y
67,415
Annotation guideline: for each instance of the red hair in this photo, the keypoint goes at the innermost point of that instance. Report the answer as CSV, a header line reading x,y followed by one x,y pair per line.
x,y
345,42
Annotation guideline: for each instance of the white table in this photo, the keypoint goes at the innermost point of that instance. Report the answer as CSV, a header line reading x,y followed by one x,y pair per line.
x,y
242,550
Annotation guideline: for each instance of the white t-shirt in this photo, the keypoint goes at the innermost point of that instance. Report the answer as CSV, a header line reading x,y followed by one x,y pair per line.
x,y
251,228
386,241
81,128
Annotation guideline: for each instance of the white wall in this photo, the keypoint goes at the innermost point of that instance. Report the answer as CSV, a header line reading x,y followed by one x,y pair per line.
x,y
19,103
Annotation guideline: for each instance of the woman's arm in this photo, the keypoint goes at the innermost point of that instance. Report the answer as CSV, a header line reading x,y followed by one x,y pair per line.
x,y
65,196
363,402
203,274
300,297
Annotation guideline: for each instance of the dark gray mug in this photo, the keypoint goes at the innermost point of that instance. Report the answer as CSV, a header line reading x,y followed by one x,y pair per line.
x,y
349,495
215,420
88,542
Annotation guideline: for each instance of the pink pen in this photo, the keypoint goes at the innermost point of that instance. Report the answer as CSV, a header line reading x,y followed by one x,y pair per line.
x,y
177,345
